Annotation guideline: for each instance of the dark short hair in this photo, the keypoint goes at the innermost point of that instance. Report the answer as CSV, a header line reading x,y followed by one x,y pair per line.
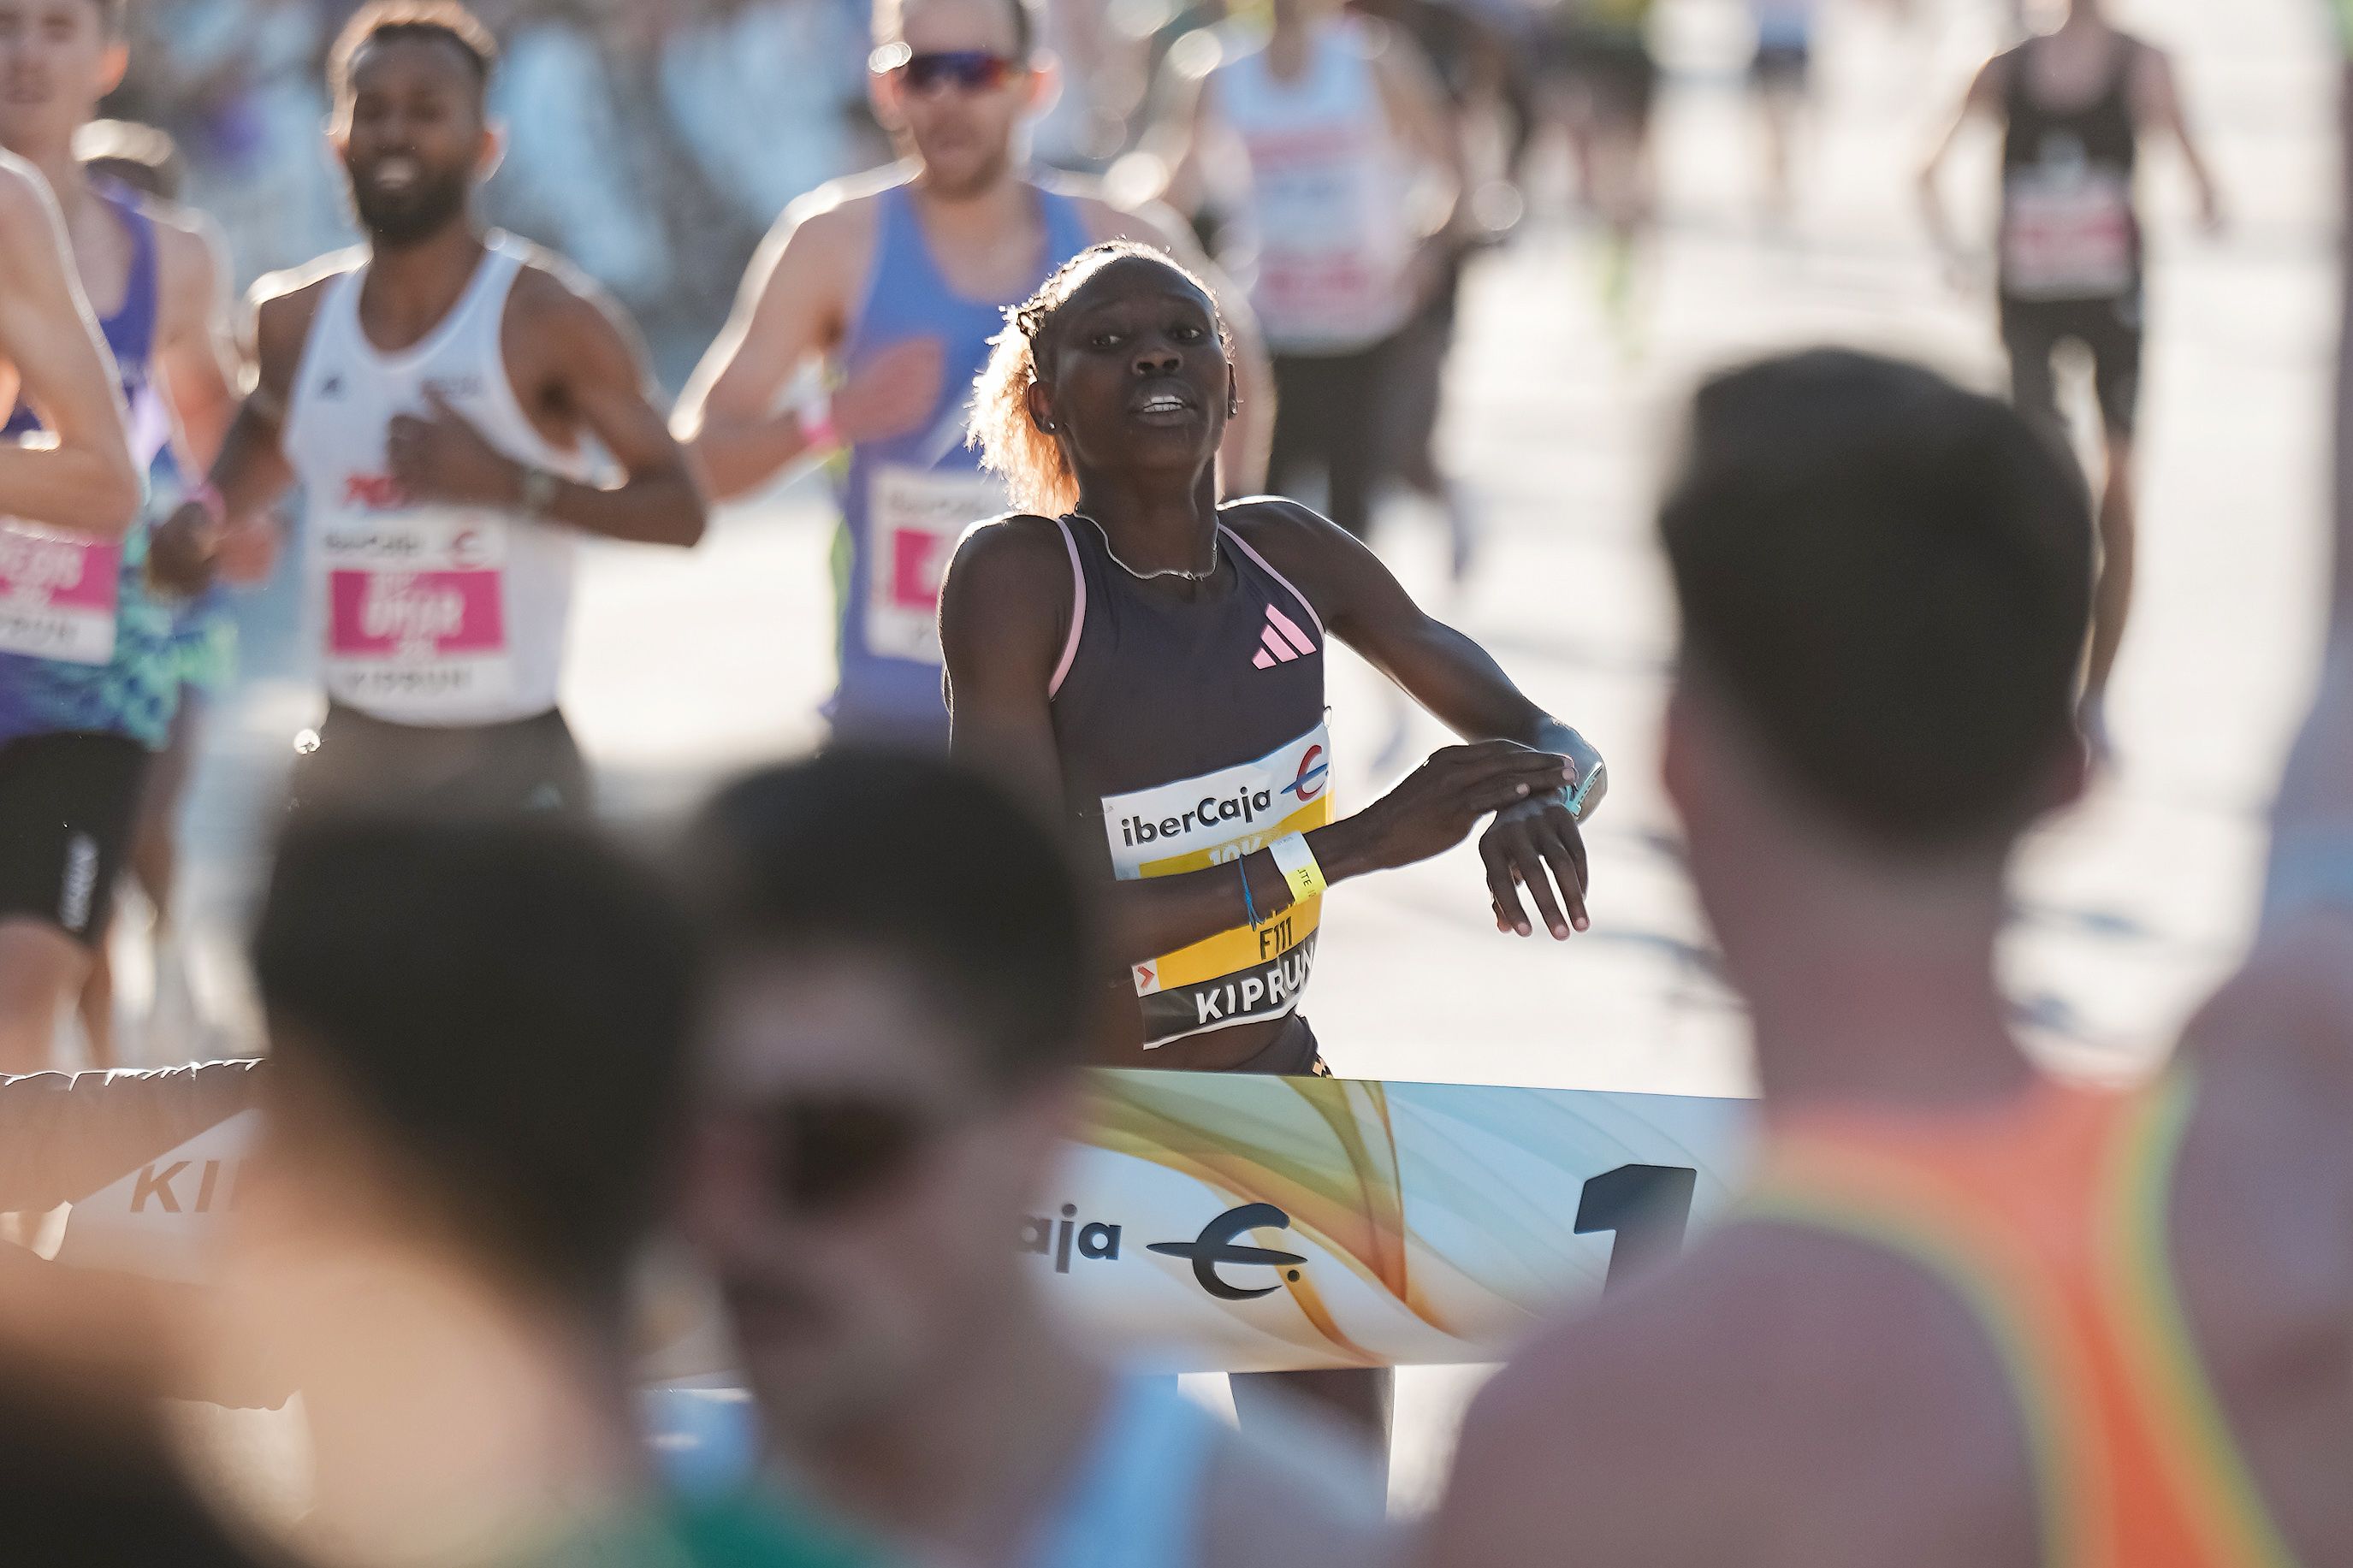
x,y
1890,578
508,1003
384,21
890,24
925,866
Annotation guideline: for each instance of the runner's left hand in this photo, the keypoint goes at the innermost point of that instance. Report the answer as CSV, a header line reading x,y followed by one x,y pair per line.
x,y
182,553
1535,845
439,457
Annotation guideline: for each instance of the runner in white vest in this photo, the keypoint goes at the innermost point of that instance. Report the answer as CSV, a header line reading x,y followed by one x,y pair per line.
x,y
1325,127
453,403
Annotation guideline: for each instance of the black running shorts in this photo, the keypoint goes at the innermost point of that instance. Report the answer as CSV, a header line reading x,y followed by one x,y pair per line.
x,y
2110,331
520,768
66,805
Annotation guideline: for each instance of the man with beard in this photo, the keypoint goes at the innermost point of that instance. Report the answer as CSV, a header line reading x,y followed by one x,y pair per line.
x,y
439,392
895,282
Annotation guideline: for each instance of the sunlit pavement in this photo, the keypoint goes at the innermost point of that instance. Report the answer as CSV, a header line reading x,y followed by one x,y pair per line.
x,y
686,666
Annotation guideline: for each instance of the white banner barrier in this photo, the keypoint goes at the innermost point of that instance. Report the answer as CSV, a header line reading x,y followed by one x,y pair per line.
x,y
1211,1222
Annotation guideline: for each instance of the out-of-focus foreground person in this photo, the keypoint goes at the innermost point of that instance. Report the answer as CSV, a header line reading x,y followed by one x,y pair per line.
x,y
1970,1314
479,1041
904,990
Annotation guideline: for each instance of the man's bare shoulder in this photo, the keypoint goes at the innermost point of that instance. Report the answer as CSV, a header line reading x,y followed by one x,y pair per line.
x,y
285,303
554,296
845,209
191,251
1780,1396
297,290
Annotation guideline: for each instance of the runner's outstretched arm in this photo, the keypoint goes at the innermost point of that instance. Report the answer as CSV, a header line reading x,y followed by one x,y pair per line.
x,y
1004,611
1422,119
1536,845
195,349
2157,92
596,374
193,547
85,479
794,305
1983,99
784,315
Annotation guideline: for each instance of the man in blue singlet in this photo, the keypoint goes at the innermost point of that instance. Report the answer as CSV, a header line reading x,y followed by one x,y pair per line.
x,y
895,282
88,676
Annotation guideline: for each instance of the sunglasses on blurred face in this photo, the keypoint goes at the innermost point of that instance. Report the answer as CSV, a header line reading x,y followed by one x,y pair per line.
x,y
830,1152
969,70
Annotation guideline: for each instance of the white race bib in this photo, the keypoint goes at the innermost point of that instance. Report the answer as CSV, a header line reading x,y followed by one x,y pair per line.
x,y
57,592
2070,235
915,517
417,609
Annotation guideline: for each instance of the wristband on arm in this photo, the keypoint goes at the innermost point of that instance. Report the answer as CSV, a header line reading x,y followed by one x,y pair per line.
x,y
819,436
1297,863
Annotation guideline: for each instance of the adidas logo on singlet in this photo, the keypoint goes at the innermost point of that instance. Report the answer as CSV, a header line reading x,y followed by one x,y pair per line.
x,y
1281,641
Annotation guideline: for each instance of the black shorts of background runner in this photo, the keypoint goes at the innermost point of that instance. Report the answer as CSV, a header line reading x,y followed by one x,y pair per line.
x,y
1328,414
1781,68
1416,379
2111,331
527,765
1615,71
66,805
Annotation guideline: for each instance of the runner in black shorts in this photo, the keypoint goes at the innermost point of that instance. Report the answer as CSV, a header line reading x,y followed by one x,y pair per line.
x,y
1607,85
1149,666
2074,105
1779,75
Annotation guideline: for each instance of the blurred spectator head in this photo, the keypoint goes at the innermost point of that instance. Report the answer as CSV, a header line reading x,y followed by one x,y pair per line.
x,y
59,57
905,983
489,1019
1885,585
86,1476
140,156
412,126
955,79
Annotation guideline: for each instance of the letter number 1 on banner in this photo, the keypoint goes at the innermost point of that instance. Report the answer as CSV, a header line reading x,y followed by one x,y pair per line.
x,y
1646,1207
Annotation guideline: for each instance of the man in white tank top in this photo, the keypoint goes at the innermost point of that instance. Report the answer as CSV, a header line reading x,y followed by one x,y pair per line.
x,y
455,405
1329,149
888,1080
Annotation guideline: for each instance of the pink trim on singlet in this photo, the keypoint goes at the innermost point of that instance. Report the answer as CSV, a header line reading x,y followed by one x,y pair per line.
x,y
1243,545
1077,610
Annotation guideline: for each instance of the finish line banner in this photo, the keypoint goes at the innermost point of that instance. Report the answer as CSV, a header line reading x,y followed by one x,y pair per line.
x,y
1210,1221
1216,1222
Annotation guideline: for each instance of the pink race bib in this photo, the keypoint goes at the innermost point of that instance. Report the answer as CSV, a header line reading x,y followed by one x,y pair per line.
x,y
57,593
397,615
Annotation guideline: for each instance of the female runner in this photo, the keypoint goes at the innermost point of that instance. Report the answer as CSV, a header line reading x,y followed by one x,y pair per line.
x,y
1152,663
